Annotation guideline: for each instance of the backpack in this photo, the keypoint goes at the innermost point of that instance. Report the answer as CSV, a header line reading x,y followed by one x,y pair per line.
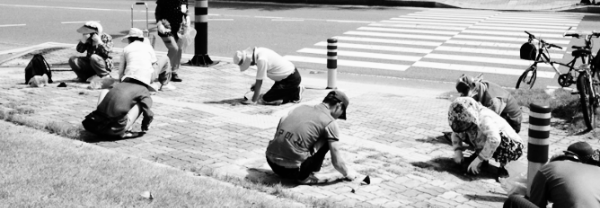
x,y
528,51
37,66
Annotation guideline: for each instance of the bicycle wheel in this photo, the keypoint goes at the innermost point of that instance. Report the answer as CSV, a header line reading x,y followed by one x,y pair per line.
x,y
527,78
586,98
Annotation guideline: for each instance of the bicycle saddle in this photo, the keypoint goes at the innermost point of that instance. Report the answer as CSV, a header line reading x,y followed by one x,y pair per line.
x,y
580,51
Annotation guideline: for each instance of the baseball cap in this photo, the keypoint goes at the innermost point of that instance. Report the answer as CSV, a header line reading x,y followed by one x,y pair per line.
x,y
340,96
464,84
583,150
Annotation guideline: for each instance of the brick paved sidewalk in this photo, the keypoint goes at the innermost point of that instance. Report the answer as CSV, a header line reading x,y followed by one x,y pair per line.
x,y
392,134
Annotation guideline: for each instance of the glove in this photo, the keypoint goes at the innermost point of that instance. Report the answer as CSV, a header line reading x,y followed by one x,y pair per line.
x,y
146,123
474,166
458,156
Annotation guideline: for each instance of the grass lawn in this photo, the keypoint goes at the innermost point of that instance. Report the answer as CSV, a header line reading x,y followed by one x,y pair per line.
x,y
39,169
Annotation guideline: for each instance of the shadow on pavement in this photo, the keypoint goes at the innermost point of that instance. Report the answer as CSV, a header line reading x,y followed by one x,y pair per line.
x,y
233,101
486,198
274,6
268,177
444,164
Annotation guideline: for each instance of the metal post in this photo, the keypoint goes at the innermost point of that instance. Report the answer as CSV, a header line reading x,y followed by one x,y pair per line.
x,y
331,63
201,57
537,148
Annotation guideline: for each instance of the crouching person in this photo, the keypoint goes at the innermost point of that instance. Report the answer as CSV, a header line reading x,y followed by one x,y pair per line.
x,y
303,138
120,107
98,48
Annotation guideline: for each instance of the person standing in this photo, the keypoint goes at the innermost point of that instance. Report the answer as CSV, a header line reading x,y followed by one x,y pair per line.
x,y
287,79
493,97
98,47
173,24
303,138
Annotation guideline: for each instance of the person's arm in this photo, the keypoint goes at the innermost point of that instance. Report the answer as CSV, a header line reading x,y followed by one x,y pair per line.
x,y
491,132
105,45
82,46
261,73
145,102
538,193
122,66
497,105
457,146
336,158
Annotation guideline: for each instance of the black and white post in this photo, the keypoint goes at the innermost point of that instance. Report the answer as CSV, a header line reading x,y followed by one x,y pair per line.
x,y
538,142
331,63
201,57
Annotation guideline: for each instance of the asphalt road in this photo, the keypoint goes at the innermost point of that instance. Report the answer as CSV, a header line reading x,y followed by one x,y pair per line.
x,y
297,31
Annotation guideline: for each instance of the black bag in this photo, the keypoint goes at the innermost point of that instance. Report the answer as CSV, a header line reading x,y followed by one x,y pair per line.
x,y
528,51
38,66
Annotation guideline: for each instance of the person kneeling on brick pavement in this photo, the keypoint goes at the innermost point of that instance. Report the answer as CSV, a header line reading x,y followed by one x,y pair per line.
x,y
303,138
119,107
97,46
493,97
139,55
568,180
287,79
485,131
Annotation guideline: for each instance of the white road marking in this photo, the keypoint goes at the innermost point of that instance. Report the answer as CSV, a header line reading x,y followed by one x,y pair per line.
x,y
463,18
77,22
491,44
482,69
268,17
496,32
438,15
553,20
391,41
349,21
522,29
517,39
525,22
13,25
488,51
58,7
522,25
481,59
363,64
462,22
407,30
288,20
379,47
393,35
424,23
343,53
419,26
220,19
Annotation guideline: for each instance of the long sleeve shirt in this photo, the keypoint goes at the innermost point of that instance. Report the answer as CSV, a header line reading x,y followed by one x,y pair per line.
x,y
103,50
121,98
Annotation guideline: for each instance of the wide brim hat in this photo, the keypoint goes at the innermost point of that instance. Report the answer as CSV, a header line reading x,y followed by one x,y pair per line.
x,y
243,59
142,76
133,33
90,27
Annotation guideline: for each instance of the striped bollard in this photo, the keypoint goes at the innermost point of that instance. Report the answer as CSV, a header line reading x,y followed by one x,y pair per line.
x,y
331,63
537,148
201,57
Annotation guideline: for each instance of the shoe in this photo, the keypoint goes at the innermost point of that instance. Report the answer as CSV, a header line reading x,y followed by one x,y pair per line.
x,y
175,78
168,86
502,173
274,102
300,92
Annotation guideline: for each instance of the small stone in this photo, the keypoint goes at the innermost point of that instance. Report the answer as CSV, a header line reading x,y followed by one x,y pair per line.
x,y
147,195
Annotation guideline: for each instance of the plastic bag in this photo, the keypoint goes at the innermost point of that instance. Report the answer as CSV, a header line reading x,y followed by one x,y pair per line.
x,y
516,183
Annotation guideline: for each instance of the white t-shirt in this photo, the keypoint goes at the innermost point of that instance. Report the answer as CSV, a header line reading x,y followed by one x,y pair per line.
x,y
272,65
136,56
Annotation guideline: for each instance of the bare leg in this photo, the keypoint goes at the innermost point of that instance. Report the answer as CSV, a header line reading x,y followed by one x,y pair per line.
x,y
132,116
102,95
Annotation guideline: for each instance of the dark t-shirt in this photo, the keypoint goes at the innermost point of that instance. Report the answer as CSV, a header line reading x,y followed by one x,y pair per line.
x,y
298,132
567,184
512,108
121,98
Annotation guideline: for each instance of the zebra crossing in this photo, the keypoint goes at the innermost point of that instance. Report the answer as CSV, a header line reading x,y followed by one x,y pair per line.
x,y
458,40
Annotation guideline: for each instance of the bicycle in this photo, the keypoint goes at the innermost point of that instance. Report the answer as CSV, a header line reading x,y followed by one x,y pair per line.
x,y
587,85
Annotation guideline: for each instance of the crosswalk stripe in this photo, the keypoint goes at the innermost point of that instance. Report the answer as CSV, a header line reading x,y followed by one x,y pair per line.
x,y
480,59
413,25
522,29
471,18
407,30
516,39
482,69
342,53
491,32
425,37
462,22
425,23
525,22
342,62
491,44
511,19
525,15
392,41
488,51
522,25
438,15
378,47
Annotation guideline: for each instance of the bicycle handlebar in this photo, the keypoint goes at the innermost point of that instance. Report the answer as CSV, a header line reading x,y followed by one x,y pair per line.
x,y
544,43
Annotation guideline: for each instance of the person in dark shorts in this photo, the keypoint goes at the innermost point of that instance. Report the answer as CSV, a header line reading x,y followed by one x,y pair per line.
x,y
303,138
287,79
119,107
173,24
493,97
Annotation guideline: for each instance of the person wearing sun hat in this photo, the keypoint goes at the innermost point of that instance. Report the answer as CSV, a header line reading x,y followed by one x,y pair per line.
x,y
98,47
139,55
303,138
269,64
568,180
119,107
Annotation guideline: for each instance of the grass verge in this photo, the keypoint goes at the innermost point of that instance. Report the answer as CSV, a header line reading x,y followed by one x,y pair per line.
x,y
40,169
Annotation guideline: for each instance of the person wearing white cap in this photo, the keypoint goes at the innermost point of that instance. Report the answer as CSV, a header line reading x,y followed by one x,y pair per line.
x,y
97,46
287,79
139,55
119,107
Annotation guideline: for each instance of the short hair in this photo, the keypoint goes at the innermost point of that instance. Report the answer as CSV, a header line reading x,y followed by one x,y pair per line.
x,y
132,39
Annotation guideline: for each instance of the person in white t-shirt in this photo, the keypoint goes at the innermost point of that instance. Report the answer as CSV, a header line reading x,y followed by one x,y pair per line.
x,y
269,64
139,55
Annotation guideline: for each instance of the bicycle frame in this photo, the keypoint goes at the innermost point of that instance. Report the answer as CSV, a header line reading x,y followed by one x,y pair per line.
x,y
542,57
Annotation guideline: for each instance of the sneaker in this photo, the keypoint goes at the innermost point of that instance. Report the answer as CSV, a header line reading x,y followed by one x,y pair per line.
x,y
168,86
300,92
175,78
